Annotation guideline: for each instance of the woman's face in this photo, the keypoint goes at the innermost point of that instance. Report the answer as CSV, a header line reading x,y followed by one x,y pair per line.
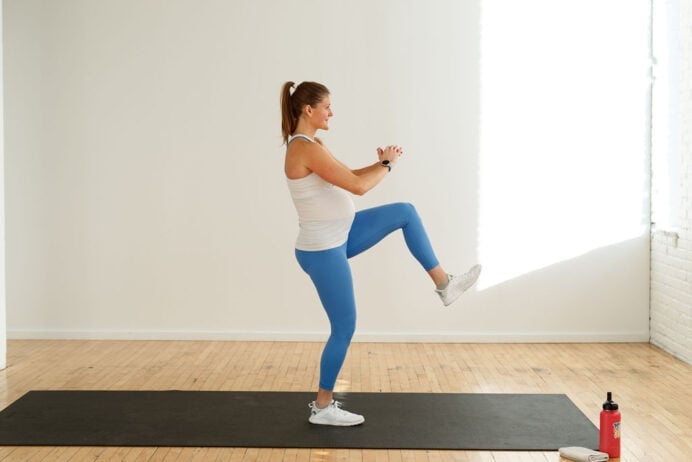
x,y
320,114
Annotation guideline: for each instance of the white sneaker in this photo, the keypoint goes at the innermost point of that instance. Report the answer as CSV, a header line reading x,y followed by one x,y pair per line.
x,y
457,285
333,415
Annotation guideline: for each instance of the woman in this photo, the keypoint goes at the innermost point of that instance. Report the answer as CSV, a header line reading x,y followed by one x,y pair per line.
x,y
331,231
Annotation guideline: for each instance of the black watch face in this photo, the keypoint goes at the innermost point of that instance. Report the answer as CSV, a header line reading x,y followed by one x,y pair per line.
x,y
385,162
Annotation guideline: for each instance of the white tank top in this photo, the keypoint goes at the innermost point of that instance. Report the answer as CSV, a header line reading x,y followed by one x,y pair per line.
x,y
325,211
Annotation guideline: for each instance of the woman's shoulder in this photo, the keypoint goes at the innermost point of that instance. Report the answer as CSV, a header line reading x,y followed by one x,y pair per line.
x,y
304,148
298,156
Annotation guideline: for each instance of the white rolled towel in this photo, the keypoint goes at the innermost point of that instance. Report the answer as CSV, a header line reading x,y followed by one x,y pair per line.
x,y
583,454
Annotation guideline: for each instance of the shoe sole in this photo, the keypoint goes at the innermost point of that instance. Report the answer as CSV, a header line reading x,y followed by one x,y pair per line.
x,y
337,424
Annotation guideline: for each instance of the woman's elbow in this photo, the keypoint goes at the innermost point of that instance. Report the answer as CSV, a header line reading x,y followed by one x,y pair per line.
x,y
360,190
358,187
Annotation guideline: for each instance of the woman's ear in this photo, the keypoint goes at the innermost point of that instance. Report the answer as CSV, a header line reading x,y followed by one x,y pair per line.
x,y
307,110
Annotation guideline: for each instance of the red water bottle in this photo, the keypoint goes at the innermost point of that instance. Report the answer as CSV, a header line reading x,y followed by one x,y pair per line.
x,y
609,441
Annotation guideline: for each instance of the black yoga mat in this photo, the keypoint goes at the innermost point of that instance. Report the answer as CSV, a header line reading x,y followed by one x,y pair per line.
x,y
536,422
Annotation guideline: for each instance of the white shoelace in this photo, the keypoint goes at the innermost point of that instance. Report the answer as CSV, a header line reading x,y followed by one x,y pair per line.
x,y
336,404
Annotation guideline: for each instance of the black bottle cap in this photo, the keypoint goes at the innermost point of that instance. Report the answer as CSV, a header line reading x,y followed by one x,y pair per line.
x,y
610,405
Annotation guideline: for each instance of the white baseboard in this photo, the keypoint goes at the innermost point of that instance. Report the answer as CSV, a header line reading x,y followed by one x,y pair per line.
x,y
384,337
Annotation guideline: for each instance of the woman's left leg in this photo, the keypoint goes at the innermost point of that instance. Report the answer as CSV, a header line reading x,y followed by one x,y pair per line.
x,y
372,225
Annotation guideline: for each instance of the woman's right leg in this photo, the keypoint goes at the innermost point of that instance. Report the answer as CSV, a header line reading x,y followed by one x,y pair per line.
x,y
331,274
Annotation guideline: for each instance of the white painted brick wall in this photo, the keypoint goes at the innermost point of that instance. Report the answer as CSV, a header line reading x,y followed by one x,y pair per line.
x,y
671,252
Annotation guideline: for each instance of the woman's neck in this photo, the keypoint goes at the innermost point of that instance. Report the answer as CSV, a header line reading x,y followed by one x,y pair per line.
x,y
305,129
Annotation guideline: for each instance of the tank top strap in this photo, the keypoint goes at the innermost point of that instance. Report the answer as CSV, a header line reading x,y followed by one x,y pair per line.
x,y
305,137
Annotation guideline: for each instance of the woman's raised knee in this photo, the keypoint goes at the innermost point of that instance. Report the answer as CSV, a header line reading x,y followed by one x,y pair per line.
x,y
405,208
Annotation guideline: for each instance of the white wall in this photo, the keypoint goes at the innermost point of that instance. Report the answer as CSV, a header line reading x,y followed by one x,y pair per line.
x,y
145,196
3,320
671,245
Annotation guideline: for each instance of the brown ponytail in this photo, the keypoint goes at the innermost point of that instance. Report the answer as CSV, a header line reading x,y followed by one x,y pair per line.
x,y
307,93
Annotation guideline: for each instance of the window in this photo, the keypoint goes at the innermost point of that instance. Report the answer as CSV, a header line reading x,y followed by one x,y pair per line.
x,y
665,125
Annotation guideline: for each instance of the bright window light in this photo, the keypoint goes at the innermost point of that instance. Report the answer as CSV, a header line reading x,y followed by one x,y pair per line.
x,y
666,137
564,131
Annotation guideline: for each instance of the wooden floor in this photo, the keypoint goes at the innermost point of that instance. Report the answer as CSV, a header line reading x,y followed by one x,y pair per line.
x,y
653,389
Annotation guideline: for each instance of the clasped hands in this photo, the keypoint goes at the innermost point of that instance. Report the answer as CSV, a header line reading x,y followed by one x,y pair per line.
x,y
390,153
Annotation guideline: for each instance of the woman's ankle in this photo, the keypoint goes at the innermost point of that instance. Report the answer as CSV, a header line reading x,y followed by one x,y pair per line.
x,y
324,398
439,276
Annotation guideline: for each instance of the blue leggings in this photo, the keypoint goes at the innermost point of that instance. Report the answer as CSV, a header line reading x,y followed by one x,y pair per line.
x,y
331,273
